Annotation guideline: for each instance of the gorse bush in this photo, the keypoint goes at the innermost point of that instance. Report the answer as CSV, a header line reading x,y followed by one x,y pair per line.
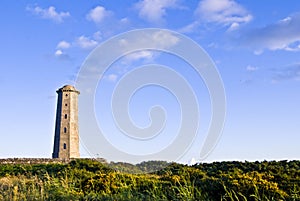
x,y
84,179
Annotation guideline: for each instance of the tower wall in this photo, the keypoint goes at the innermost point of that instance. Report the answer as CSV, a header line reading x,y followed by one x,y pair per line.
x,y
66,140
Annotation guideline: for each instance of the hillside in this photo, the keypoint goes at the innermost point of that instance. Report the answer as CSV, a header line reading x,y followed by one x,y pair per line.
x,y
84,179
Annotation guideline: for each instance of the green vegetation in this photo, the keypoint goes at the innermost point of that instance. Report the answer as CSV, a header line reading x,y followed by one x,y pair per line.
x,y
84,179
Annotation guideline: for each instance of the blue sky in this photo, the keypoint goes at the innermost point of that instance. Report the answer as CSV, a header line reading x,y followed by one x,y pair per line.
x,y
255,47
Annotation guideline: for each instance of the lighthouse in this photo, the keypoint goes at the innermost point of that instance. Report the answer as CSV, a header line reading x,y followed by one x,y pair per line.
x,y
66,138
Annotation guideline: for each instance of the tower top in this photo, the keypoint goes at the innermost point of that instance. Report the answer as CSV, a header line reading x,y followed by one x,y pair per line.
x,y
67,88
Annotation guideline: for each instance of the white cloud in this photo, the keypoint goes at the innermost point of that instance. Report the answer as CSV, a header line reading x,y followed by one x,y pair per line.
x,y
234,26
144,54
282,35
287,19
112,77
98,14
63,45
258,52
294,46
124,20
290,72
49,13
85,42
225,12
159,39
58,53
154,10
97,36
189,28
82,42
61,55
251,68
164,39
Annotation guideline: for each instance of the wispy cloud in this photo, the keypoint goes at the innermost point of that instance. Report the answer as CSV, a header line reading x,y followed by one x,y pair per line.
x,y
49,13
290,72
190,27
86,42
144,54
97,35
126,62
98,14
159,39
224,12
233,26
83,42
251,68
61,55
124,21
63,45
164,39
111,77
282,35
58,53
155,10
250,75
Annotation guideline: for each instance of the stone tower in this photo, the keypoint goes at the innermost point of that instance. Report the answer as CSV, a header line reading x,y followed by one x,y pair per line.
x,y
66,139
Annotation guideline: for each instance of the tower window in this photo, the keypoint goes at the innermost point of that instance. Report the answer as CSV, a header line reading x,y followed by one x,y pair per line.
x,y
66,116
65,146
66,94
65,129
66,104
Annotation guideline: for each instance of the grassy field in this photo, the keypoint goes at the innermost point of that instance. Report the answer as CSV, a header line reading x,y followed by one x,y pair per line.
x,y
84,179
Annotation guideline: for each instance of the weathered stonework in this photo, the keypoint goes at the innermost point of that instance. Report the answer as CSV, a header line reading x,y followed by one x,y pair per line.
x,y
66,140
